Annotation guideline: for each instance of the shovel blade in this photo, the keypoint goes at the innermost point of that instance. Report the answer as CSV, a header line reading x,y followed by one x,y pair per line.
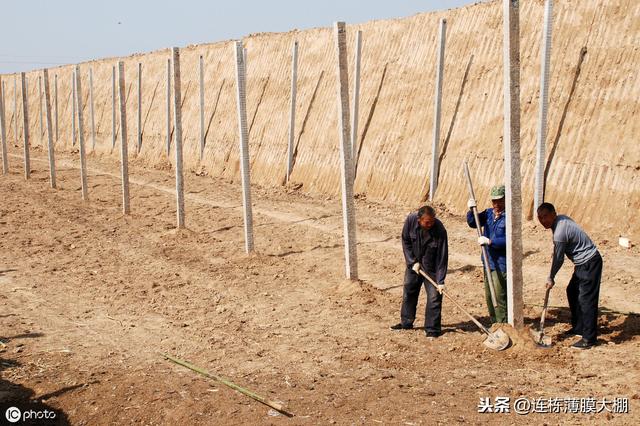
x,y
497,340
541,339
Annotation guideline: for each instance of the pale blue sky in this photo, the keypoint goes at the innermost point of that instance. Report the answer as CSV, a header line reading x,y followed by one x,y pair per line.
x,y
39,33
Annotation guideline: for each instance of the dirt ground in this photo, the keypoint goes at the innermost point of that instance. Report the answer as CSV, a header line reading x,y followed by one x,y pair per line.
x,y
91,298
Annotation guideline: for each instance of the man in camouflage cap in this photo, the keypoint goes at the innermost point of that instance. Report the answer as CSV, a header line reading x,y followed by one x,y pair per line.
x,y
494,237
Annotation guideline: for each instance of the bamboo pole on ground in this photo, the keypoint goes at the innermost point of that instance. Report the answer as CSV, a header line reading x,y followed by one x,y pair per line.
x,y
276,406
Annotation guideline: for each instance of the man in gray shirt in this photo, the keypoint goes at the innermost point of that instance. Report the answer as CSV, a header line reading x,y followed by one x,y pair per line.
x,y
584,287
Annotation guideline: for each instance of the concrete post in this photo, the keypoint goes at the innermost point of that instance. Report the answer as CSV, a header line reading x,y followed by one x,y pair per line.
x,y
177,102
113,107
124,147
40,112
292,113
356,102
83,160
512,160
50,146
435,147
202,130
348,207
25,117
55,103
15,109
3,133
243,132
139,106
74,98
91,111
538,193
168,106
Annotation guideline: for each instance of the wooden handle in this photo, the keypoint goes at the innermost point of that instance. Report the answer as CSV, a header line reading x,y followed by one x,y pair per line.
x,y
482,327
544,308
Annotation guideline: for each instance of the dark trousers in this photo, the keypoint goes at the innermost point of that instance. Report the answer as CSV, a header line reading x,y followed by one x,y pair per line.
x,y
583,292
410,293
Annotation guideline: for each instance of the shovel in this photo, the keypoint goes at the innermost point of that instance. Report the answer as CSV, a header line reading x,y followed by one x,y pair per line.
x,y
485,251
498,340
538,336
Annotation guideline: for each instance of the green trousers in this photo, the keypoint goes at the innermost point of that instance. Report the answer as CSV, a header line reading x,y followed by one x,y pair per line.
x,y
499,313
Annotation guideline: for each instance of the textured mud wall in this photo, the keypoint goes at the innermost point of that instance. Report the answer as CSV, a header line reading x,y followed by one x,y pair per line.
x,y
594,155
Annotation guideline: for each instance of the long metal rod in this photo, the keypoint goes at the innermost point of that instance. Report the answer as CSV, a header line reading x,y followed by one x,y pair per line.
x,y
538,193
485,251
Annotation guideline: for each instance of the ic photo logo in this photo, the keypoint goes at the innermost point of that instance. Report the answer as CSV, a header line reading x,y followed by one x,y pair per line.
x,y
13,414
36,413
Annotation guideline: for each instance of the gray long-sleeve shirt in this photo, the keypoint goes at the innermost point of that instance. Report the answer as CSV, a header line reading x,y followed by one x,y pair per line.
x,y
570,240
429,247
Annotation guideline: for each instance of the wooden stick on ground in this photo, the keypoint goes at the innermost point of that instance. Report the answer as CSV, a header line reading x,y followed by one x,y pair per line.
x,y
276,406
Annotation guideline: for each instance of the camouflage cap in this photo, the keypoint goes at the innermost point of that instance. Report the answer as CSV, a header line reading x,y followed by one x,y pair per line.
x,y
497,192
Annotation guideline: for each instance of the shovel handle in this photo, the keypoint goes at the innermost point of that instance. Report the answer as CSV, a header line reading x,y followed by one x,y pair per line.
x,y
544,308
468,176
455,302
485,251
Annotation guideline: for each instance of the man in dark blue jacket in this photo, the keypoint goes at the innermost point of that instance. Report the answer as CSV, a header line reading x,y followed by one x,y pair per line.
x,y
425,246
495,238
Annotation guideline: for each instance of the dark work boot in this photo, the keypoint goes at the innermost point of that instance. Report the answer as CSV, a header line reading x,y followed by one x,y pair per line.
x,y
401,326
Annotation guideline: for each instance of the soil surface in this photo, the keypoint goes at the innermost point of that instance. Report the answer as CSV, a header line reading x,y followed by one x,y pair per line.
x,y
91,298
